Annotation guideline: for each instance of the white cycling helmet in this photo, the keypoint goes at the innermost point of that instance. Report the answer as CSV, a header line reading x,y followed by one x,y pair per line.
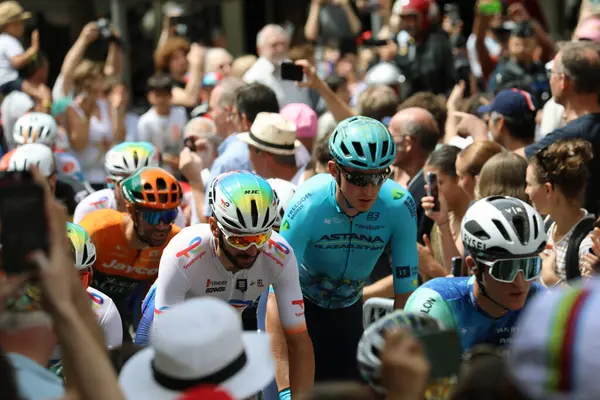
x,y
36,154
83,247
384,73
35,127
502,227
373,340
243,203
285,190
127,158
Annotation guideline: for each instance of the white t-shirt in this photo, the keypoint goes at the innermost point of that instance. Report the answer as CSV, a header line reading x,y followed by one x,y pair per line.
x,y
108,318
9,47
493,47
190,267
105,198
166,132
99,142
14,105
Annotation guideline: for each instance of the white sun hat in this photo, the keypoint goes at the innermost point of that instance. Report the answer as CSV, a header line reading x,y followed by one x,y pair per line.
x,y
196,343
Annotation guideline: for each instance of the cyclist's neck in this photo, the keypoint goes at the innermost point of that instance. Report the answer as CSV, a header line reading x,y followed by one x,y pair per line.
x,y
134,241
343,203
486,304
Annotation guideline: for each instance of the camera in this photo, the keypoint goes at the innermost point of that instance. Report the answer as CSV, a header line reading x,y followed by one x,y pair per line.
x,y
106,33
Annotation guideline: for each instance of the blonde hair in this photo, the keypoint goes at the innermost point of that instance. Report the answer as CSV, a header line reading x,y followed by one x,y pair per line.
x,y
503,175
84,73
163,54
477,154
242,64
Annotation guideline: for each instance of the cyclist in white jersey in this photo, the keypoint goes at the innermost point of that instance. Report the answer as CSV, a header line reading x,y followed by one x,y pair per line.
x,y
84,253
120,162
235,258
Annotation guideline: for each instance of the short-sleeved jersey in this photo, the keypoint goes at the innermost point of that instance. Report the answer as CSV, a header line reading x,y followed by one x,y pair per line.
x,y
119,268
451,300
337,253
190,267
105,198
108,317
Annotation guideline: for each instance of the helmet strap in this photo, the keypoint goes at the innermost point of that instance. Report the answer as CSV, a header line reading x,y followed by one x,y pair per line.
x,y
339,187
479,279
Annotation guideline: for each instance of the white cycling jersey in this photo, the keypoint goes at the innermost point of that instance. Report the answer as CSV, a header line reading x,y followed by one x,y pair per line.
x,y
105,198
108,318
190,267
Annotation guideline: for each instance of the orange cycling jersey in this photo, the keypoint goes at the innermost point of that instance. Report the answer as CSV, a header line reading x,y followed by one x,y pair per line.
x,y
114,255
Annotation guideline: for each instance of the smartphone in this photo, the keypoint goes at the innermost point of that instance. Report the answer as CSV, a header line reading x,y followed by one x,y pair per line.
x,y
444,351
433,190
457,266
23,223
490,7
292,72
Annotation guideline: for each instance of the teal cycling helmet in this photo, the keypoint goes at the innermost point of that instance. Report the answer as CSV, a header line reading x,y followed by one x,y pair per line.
x,y
362,143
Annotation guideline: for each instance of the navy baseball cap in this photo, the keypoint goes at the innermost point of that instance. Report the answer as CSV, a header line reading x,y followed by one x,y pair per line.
x,y
510,103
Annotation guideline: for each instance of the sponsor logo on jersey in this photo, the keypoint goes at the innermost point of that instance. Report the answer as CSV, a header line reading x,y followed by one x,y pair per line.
x,y
299,303
96,298
410,204
241,285
101,203
258,282
397,194
335,220
68,167
402,272
350,241
372,216
272,257
191,251
240,304
128,268
427,305
295,209
160,310
210,283
280,248
215,289
370,227
284,226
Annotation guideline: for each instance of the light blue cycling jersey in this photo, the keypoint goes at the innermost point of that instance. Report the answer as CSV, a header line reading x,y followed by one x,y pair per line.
x,y
336,253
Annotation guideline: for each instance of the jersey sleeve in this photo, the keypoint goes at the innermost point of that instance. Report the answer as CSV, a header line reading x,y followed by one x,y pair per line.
x,y
289,298
172,283
405,257
429,302
82,209
112,327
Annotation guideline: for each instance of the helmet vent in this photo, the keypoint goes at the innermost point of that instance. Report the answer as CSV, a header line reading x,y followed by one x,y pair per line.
x,y
373,150
502,230
163,198
358,149
161,184
536,230
151,197
85,254
385,147
136,158
266,219
138,196
240,217
92,259
476,230
126,163
254,212
521,227
232,222
344,149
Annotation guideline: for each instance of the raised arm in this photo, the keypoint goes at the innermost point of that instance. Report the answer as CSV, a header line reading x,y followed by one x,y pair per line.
x,y
88,34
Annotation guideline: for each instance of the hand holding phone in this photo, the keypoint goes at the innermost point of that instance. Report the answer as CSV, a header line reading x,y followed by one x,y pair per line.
x,y
23,224
433,190
292,72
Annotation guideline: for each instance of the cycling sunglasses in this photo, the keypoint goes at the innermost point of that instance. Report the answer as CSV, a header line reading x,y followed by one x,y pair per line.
x,y
361,179
86,276
153,217
506,270
244,242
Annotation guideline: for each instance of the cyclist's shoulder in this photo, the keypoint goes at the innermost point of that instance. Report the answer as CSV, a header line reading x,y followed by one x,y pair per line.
x,y
103,220
312,194
187,242
103,198
317,185
449,288
277,252
393,195
99,299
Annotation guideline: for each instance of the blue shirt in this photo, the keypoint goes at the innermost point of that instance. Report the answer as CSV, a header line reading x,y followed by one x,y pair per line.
x,y
233,156
336,253
451,300
35,382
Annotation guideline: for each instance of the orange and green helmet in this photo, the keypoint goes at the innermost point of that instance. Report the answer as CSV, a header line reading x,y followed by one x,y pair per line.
x,y
152,188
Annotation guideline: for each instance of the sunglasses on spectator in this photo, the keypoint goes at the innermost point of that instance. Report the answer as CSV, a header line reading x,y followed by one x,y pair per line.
x,y
362,179
153,217
243,242
506,271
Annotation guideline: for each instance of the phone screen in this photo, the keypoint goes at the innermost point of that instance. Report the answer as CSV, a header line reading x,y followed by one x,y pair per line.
x,y
433,190
443,351
291,72
23,223
491,7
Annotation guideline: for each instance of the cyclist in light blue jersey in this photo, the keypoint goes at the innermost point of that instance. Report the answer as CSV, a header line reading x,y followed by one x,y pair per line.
x,y
503,237
338,225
